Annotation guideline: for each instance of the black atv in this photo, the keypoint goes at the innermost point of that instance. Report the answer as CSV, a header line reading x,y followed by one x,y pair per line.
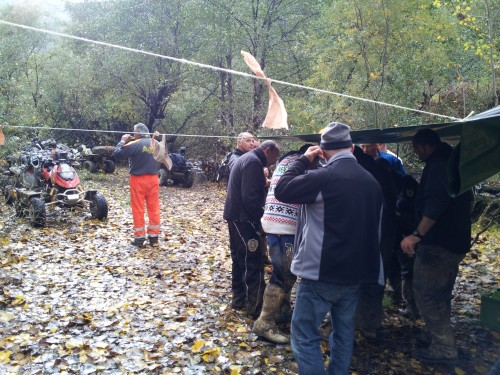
x,y
182,172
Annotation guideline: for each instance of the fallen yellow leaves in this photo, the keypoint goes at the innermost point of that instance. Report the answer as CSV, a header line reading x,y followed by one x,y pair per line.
x,y
74,343
6,317
4,240
235,370
98,305
209,354
197,346
22,339
5,356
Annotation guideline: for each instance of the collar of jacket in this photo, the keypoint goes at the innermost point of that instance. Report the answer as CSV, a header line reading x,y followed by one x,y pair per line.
x,y
260,154
341,155
238,152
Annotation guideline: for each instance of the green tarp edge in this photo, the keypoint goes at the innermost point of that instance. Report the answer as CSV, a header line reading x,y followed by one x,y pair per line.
x,y
477,157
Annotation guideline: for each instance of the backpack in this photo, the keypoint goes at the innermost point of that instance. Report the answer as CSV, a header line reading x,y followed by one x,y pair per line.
x,y
223,171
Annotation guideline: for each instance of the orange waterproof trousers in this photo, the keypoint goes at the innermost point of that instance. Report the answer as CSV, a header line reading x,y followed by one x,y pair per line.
x,y
145,190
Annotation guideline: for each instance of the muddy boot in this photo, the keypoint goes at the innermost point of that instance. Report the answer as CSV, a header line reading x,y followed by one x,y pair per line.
x,y
443,348
284,315
411,310
265,326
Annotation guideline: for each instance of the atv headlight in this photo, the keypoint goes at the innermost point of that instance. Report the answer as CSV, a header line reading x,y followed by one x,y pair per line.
x,y
66,173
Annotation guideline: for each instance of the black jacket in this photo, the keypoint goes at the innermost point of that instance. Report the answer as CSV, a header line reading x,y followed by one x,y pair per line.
x,y
234,156
338,229
246,188
452,229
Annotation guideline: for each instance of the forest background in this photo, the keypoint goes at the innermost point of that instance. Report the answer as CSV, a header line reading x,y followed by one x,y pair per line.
x,y
429,55
66,306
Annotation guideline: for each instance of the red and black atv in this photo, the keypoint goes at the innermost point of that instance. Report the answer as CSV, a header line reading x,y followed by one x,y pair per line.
x,y
43,177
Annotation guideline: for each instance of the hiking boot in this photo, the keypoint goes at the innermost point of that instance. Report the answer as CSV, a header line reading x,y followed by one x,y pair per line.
x,y
237,304
139,241
284,315
153,241
265,326
435,356
270,332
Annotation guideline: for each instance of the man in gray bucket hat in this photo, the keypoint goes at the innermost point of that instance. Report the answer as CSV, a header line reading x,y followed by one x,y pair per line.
x,y
336,246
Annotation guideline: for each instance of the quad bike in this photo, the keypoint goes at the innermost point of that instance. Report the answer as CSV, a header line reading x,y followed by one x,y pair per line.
x,y
98,158
42,178
182,172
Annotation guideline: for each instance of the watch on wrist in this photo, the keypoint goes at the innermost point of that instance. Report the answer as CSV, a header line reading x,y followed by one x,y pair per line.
x,y
416,233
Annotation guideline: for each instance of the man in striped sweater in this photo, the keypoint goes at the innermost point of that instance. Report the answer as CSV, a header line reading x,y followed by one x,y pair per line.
x,y
279,222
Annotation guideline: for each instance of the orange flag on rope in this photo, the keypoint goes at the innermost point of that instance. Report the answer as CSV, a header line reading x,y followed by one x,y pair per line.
x,y
2,138
276,117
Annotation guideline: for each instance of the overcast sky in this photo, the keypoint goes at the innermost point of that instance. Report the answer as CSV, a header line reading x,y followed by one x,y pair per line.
x,y
53,9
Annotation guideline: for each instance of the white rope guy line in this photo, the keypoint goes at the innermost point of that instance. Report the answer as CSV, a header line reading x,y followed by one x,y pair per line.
x,y
115,131
235,72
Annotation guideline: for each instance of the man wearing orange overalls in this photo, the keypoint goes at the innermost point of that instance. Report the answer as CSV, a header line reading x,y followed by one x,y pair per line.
x,y
144,188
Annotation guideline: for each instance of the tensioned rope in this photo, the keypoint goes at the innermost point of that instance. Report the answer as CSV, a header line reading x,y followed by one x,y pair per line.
x,y
113,131
230,71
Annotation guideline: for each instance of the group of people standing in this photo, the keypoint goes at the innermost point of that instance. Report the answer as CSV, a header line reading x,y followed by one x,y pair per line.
x,y
328,218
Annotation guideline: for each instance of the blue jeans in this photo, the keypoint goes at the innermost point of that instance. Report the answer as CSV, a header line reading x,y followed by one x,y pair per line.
x,y
314,300
281,252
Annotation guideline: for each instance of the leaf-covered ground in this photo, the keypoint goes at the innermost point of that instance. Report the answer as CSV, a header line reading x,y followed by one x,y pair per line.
x,y
75,297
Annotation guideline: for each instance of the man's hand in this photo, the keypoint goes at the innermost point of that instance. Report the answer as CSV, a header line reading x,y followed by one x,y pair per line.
x,y
156,134
313,154
408,245
126,138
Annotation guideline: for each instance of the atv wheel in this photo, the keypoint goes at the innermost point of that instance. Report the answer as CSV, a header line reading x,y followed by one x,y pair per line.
x,y
36,212
163,177
21,208
188,179
98,207
90,166
9,195
109,166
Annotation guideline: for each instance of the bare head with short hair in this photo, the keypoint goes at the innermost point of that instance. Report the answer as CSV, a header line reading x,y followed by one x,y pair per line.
x,y
245,142
141,130
426,137
424,142
271,150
